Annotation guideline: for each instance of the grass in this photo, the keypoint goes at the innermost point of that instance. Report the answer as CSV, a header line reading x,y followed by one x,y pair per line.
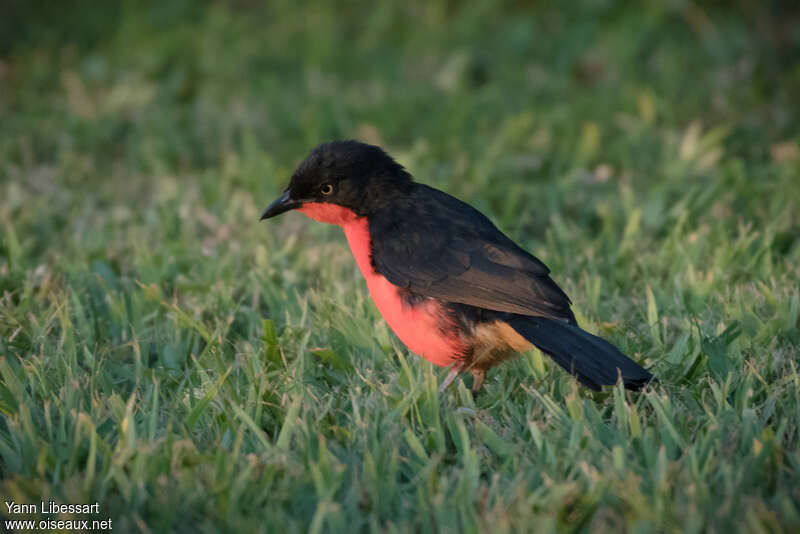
x,y
165,355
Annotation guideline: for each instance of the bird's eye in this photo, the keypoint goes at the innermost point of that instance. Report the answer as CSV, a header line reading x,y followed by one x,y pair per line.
x,y
326,189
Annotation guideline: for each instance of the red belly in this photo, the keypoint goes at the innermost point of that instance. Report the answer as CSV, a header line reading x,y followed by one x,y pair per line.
x,y
423,327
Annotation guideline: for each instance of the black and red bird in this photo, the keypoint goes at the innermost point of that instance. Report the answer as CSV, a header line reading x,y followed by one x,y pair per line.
x,y
453,287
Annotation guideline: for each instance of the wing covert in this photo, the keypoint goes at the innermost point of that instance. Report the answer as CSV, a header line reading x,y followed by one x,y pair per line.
x,y
443,248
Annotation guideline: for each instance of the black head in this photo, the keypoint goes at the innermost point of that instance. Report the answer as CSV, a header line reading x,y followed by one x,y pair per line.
x,y
351,174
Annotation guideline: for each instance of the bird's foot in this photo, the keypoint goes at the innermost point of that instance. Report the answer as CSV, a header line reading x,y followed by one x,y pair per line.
x,y
478,375
454,370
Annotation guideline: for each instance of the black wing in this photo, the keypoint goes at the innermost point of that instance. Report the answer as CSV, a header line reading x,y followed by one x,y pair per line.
x,y
435,245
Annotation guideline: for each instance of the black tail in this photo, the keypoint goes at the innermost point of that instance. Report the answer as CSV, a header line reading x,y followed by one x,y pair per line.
x,y
592,360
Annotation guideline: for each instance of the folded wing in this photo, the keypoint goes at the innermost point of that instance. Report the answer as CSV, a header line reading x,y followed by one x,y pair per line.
x,y
440,247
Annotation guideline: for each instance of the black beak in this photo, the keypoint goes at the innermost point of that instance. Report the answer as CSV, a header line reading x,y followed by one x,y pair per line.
x,y
281,204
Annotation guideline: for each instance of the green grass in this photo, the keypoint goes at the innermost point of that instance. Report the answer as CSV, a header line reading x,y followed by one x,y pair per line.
x,y
190,369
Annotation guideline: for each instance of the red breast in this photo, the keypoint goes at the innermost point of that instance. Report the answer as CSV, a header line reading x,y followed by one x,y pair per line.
x,y
425,328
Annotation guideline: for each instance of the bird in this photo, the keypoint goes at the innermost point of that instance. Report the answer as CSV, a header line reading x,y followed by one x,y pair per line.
x,y
454,289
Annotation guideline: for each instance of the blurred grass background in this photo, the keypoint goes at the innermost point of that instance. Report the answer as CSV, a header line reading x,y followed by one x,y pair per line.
x,y
164,354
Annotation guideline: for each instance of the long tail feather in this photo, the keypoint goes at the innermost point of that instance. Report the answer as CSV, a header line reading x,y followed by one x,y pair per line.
x,y
592,360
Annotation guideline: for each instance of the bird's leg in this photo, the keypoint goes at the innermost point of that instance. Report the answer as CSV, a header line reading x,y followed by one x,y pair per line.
x,y
478,375
454,370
